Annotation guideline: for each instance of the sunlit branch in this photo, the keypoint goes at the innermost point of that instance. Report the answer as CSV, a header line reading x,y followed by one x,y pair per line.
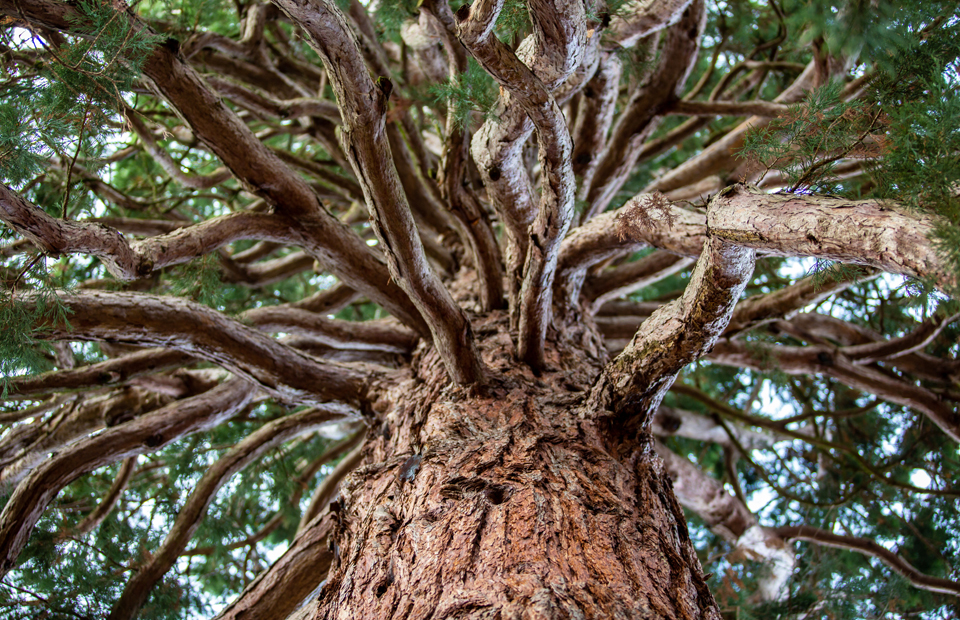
x,y
864,232
557,183
632,386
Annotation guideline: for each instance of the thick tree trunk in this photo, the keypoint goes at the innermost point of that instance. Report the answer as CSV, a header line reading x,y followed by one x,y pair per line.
x,y
506,502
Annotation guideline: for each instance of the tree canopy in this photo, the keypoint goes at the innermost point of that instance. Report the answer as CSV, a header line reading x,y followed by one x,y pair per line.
x,y
227,224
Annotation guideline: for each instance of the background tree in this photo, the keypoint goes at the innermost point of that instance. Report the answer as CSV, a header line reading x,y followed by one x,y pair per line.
x,y
517,267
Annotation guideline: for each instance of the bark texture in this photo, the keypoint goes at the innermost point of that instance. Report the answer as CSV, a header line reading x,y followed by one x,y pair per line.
x,y
546,523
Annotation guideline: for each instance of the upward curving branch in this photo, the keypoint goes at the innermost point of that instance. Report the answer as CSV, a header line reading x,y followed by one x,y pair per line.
x,y
258,169
556,148
631,387
145,434
363,106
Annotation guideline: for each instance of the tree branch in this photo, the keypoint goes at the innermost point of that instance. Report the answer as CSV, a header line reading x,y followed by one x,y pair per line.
x,y
195,329
557,180
363,108
281,589
869,547
145,434
831,362
864,232
631,387
252,447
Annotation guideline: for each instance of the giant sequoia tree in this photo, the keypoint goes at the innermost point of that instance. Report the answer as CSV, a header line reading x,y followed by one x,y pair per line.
x,y
552,272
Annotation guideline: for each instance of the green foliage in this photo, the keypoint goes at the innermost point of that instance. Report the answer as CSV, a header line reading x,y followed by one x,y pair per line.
x,y
199,280
472,91
806,144
20,350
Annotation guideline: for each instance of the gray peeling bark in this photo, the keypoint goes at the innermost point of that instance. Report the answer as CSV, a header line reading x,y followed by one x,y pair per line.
x,y
546,523
865,232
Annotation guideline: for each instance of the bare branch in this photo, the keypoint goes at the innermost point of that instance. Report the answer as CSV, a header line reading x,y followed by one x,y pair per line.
x,y
145,434
251,162
328,488
641,18
631,387
728,108
864,232
828,361
195,329
336,333
102,374
363,108
129,261
285,586
871,548
730,519
633,276
786,302
721,155
256,444
563,25
109,501
643,111
898,347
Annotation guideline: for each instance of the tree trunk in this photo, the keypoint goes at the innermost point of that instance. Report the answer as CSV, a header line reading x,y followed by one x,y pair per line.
x,y
506,502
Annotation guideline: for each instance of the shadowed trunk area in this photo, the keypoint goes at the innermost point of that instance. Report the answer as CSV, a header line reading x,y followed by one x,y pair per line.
x,y
505,503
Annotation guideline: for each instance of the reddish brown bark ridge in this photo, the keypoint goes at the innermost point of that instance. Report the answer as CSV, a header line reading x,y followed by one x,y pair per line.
x,y
543,520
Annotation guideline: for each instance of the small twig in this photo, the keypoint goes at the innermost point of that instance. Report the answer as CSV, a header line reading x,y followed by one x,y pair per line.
x,y
76,154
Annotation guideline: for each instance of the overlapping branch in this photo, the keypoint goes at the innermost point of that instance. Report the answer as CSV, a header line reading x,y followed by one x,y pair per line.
x,y
194,329
188,519
363,107
145,434
557,182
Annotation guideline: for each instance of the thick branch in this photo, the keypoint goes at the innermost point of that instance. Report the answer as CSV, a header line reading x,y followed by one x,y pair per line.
x,y
631,387
864,232
557,180
647,104
256,167
197,330
363,107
